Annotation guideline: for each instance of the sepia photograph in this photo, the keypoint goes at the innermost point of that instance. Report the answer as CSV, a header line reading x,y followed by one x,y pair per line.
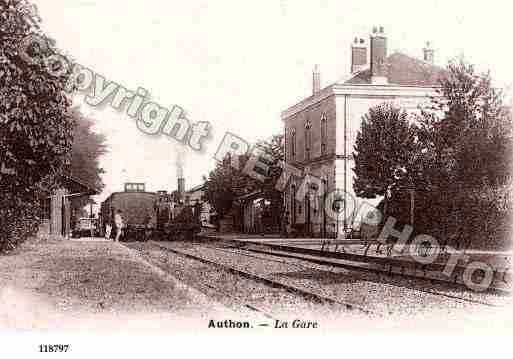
x,y
256,177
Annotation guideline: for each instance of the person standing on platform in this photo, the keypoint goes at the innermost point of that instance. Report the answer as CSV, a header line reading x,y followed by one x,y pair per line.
x,y
118,220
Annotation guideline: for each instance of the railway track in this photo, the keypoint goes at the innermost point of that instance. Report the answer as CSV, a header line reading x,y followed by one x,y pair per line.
x,y
233,299
252,306
302,292
278,274
240,250
359,262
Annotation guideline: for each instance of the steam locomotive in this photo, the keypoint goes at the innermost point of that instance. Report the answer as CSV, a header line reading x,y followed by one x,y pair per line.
x,y
150,215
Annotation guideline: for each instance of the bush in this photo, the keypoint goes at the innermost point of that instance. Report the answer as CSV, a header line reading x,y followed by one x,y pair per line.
x,y
485,218
19,221
473,218
35,123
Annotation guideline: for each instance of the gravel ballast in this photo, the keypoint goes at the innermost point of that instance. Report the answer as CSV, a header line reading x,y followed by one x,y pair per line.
x,y
236,291
402,297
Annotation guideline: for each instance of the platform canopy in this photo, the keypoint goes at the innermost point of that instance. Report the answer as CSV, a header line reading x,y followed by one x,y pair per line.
x,y
77,187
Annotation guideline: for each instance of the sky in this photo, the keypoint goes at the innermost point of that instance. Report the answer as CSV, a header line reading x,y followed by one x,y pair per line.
x,y
238,64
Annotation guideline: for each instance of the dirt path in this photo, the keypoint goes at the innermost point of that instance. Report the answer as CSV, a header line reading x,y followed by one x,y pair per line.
x,y
65,284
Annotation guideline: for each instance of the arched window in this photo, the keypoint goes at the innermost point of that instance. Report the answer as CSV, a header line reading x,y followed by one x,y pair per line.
x,y
324,133
293,145
308,139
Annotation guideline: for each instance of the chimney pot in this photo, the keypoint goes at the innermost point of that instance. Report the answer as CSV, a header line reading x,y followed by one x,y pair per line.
x,y
316,79
358,56
378,57
429,53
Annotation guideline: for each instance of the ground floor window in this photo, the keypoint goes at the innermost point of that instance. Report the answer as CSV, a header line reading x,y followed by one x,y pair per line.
x,y
293,204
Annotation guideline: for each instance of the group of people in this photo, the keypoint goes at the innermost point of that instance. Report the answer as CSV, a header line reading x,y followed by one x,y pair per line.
x,y
118,227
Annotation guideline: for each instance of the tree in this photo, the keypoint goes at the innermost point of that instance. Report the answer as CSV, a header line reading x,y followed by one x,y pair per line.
x,y
35,122
468,138
467,130
219,187
36,126
226,182
87,148
275,150
386,154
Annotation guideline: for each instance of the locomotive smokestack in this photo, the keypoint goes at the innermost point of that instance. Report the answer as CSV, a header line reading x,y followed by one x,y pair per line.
x,y
181,187
179,174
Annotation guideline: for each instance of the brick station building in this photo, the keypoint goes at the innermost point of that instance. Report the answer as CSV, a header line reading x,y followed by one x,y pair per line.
x,y
320,131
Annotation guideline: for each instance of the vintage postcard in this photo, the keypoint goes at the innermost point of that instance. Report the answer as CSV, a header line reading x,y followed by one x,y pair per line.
x,y
246,172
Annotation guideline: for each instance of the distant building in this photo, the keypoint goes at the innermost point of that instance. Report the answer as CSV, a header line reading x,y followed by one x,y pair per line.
x,y
196,197
320,130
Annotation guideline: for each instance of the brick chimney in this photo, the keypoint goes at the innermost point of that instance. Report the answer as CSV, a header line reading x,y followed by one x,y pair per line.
x,y
378,57
429,53
358,55
316,80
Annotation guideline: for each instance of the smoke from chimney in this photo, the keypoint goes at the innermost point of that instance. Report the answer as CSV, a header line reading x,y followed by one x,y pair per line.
x,y
179,162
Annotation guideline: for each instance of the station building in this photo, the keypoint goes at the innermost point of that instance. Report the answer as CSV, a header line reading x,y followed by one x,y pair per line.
x,y
320,131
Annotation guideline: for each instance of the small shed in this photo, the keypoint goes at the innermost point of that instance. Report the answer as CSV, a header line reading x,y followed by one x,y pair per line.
x,y
56,205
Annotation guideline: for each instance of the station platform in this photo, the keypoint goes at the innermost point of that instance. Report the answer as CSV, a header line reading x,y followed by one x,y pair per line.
x,y
368,255
356,246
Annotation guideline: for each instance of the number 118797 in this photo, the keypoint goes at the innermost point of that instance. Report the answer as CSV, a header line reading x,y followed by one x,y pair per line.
x,y
57,348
